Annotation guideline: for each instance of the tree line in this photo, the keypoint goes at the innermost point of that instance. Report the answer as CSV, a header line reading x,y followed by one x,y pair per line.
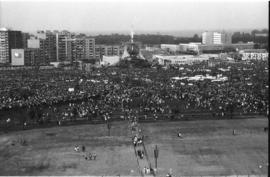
x,y
256,36
149,39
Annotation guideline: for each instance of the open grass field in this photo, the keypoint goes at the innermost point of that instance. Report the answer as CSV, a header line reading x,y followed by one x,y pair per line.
x,y
207,148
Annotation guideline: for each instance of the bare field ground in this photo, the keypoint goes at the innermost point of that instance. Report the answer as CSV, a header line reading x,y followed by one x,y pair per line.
x,y
208,147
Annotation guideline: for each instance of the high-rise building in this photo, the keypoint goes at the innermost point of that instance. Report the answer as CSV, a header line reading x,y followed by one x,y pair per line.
x,y
78,49
89,48
50,43
4,54
64,46
98,54
47,46
25,37
216,38
9,40
32,56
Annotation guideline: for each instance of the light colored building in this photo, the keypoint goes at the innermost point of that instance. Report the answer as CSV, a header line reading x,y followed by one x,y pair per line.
x,y
4,54
33,43
110,60
41,34
151,49
254,54
170,47
179,60
64,44
210,37
17,57
190,47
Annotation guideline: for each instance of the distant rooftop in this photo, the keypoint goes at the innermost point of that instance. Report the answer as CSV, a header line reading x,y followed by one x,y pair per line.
x,y
254,50
3,29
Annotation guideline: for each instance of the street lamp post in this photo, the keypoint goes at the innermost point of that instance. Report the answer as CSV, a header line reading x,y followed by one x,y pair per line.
x,y
156,155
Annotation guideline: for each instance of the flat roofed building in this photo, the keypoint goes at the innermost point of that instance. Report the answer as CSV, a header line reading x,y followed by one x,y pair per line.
x,y
170,47
254,54
189,47
210,37
33,43
179,59
110,60
107,50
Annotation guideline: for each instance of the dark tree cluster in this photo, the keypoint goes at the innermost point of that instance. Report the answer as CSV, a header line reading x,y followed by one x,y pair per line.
x,y
256,36
152,39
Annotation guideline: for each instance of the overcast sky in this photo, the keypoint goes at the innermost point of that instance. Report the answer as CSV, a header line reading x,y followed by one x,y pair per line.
x,y
118,15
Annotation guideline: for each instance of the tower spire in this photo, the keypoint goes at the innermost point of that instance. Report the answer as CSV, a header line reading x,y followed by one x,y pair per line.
x,y
131,34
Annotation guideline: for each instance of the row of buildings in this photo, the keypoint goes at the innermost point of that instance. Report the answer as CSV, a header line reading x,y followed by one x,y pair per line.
x,y
212,42
214,45
44,47
245,55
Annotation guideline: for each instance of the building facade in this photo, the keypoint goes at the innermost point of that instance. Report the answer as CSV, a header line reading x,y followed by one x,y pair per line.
x,y
209,37
254,54
78,49
32,57
4,54
170,47
64,46
190,47
89,48
107,50
179,60
9,40
47,46
25,37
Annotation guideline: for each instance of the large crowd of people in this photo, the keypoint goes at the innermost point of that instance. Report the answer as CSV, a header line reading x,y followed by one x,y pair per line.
x,y
151,93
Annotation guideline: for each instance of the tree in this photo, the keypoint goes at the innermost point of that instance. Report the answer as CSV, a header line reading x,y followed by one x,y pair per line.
x,y
229,49
253,32
196,38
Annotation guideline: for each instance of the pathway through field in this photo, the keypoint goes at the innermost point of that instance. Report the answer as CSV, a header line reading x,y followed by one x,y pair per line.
x,y
144,162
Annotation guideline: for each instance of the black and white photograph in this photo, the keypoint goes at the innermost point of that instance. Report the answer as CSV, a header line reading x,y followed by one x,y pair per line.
x,y
134,88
